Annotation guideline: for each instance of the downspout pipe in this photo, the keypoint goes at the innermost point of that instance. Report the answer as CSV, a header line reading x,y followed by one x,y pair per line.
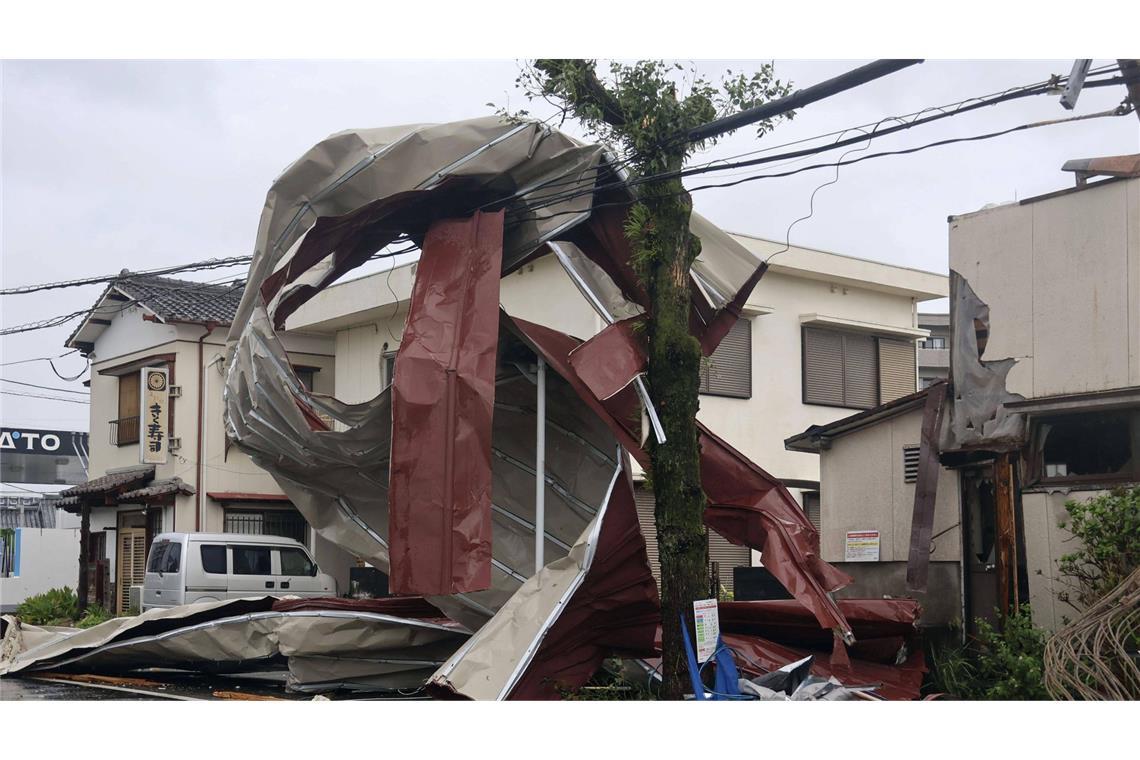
x,y
199,467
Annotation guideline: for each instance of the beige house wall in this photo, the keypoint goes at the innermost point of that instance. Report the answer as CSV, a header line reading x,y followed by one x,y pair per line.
x,y
1045,543
864,488
1062,278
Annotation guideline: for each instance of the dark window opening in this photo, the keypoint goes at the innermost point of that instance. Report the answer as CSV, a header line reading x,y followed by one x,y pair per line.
x,y
214,559
1088,447
165,557
251,560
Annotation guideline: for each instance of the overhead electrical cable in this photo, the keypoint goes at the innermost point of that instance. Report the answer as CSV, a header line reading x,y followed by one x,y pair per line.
x,y
45,387
46,398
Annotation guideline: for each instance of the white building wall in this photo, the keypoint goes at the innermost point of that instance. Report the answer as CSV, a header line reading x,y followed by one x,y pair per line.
x,y
1061,276
864,488
49,558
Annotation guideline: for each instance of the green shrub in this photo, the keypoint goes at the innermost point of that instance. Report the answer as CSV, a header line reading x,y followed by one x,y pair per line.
x,y
93,617
1108,527
994,665
59,606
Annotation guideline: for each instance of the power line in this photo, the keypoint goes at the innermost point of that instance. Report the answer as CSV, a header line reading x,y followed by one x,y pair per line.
x,y
113,278
45,387
1120,111
47,398
918,120
40,358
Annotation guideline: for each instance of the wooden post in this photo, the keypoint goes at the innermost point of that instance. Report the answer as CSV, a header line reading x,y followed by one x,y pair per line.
x,y
84,560
1006,538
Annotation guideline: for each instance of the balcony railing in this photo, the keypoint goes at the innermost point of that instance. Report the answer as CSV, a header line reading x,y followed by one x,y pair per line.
x,y
124,430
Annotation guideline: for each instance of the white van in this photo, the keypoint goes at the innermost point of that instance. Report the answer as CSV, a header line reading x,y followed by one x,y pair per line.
x,y
184,568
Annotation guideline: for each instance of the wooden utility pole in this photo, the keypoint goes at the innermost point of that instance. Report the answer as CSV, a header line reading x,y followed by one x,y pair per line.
x,y
84,560
1006,538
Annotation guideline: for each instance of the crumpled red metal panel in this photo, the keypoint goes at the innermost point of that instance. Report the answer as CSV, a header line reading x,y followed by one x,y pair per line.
x,y
614,612
751,508
439,516
759,656
746,505
610,360
602,238
726,317
881,626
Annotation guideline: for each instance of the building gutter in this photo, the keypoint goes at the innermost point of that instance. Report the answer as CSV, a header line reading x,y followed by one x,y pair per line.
x,y
199,468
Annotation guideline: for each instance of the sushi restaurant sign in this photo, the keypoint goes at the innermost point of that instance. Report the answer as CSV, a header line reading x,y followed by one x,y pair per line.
x,y
153,440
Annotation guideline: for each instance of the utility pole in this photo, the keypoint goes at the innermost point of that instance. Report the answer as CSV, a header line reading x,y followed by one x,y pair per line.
x,y
800,98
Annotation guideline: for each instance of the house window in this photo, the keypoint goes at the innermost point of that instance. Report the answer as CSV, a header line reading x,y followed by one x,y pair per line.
x,y
270,522
387,368
855,370
932,342
125,429
307,376
728,372
1092,447
811,507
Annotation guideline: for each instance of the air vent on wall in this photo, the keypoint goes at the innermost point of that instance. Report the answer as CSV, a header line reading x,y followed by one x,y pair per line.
x,y
910,463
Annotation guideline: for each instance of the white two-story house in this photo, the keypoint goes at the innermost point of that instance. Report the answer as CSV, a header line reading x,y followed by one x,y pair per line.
x,y
204,484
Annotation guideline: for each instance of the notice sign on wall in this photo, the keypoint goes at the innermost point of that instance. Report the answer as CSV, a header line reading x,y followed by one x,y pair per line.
x,y
862,546
707,621
153,414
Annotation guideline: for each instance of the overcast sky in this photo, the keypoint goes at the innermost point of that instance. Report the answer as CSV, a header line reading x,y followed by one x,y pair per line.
x,y
111,165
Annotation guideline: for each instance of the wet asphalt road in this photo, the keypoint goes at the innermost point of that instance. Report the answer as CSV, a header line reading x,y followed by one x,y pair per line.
x,y
16,689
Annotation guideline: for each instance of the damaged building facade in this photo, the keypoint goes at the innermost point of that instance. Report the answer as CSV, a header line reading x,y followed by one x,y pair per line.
x,y
1042,406
795,319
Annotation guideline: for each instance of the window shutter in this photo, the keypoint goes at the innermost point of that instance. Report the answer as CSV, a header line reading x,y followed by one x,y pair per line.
x,y
811,507
860,375
823,367
643,497
729,555
129,395
729,370
896,369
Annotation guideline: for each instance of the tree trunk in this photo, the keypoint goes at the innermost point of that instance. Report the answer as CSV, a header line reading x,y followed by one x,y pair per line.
x,y
674,382
84,560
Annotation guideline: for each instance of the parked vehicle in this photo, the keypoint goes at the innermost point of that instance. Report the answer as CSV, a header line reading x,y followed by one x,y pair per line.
x,y
183,568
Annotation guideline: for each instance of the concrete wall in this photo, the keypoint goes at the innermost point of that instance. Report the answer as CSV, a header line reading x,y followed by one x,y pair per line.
x,y
1045,543
941,604
1062,278
863,487
49,558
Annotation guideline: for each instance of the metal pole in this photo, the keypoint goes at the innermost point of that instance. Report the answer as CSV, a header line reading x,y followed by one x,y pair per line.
x,y
800,98
540,469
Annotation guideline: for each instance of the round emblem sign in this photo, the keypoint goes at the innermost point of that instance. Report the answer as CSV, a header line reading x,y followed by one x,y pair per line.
x,y
156,381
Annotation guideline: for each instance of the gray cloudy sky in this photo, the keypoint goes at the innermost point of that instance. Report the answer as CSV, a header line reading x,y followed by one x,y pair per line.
x,y
142,164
